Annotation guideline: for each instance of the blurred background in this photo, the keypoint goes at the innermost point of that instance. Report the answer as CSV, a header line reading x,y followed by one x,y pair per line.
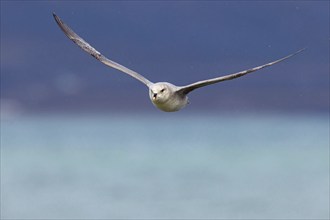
x,y
81,140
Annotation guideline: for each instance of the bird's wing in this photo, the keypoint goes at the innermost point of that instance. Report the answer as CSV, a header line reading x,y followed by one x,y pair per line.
x,y
193,86
97,55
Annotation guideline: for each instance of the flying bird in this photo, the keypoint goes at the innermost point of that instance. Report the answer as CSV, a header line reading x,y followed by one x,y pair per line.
x,y
165,96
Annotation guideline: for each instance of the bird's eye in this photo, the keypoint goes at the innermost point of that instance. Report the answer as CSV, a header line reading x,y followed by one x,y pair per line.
x,y
162,90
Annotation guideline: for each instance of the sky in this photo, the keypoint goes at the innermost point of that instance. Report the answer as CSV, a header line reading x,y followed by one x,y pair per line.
x,y
181,42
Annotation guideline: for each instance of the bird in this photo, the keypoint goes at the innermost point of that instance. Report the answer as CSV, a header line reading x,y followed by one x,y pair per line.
x,y
164,95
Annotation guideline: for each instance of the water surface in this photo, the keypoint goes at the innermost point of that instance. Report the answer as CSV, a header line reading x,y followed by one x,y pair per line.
x,y
122,166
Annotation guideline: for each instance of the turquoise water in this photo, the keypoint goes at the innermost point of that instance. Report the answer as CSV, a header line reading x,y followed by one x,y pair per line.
x,y
166,166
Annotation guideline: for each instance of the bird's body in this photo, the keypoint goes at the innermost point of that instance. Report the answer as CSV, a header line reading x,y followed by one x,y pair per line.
x,y
165,96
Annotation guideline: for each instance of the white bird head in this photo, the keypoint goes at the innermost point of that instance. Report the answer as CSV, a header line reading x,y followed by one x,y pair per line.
x,y
160,92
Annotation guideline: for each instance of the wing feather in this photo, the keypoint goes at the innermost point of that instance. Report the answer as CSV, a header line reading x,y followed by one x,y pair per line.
x,y
96,54
193,86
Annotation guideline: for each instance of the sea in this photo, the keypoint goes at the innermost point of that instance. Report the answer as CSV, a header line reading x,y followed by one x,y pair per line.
x,y
165,166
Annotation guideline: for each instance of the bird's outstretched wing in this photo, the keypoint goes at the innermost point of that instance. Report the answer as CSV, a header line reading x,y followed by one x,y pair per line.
x,y
97,55
193,86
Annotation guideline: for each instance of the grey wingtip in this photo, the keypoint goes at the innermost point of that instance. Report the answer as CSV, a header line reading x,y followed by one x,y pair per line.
x,y
57,19
54,15
305,48
301,50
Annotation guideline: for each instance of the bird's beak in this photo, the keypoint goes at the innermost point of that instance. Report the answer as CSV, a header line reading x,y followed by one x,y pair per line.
x,y
154,96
